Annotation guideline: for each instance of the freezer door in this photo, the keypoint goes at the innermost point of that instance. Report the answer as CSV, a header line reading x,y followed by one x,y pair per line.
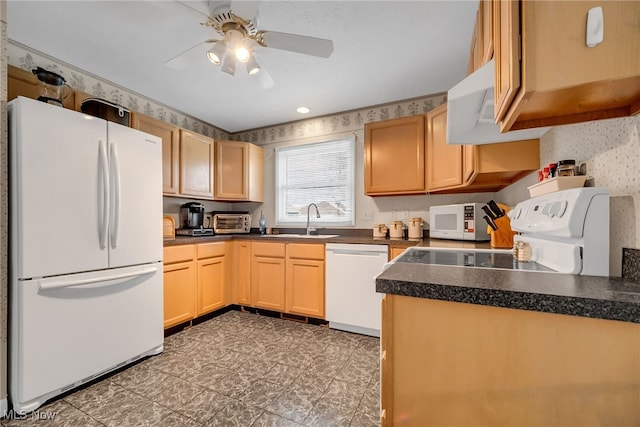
x,y
135,220
67,330
57,191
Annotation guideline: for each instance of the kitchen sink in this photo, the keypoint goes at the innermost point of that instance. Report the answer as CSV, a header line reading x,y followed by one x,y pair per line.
x,y
302,236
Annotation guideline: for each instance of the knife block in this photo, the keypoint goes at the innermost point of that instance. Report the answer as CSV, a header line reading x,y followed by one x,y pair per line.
x,y
503,237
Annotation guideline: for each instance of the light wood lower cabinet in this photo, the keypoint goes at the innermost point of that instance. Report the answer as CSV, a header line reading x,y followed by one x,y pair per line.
x,y
211,277
268,275
288,277
452,364
180,272
194,281
305,290
242,272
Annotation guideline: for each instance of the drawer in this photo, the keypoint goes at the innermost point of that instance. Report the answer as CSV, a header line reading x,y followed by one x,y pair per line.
x,y
306,251
180,253
210,250
273,250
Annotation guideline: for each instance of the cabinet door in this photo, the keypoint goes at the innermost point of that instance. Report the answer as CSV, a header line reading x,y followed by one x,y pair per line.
x,y
305,287
211,277
469,156
179,293
232,170
268,282
394,157
196,165
242,273
444,161
506,38
170,148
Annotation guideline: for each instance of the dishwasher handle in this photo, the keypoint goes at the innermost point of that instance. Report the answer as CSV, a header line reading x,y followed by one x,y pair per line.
x,y
354,252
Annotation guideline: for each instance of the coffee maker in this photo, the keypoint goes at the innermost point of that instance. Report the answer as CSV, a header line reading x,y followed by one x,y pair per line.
x,y
192,219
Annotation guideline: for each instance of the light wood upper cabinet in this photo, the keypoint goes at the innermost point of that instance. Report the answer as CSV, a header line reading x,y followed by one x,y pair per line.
x,y
557,79
170,136
444,161
482,39
474,168
239,171
394,162
196,165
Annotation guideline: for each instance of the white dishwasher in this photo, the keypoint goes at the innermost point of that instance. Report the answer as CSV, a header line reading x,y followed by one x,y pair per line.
x,y
352,303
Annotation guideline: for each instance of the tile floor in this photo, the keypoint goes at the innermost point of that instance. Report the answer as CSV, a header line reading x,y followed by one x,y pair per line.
x,y
237,369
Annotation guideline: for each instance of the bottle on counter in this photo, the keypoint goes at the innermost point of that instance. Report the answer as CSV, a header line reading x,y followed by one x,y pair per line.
x,y
262,222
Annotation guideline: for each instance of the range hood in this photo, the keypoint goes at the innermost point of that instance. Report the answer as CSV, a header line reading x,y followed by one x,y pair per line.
x,y
470,112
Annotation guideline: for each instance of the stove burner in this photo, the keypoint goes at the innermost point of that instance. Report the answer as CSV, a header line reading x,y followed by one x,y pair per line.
x,y
469,258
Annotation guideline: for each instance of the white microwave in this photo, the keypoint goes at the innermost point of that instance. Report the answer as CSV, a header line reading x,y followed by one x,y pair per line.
x,y
458,222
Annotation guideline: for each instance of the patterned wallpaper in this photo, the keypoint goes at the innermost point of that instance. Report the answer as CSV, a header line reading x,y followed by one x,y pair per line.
x,y
343,122
27,59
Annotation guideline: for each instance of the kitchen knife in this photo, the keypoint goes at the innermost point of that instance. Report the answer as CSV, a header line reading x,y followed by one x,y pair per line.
x,y
488,211
495,209
492,224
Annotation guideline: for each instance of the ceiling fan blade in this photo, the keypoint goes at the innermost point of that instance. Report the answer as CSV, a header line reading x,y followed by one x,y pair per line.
x,y
263,78
297,43
189,56
245,9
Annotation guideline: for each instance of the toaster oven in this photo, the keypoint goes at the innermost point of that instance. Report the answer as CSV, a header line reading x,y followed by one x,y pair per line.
x,y
230,222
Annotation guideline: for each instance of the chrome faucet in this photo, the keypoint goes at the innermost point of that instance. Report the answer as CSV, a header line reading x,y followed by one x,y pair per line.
x,y
309,228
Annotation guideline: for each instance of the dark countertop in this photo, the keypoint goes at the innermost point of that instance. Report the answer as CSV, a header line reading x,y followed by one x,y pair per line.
x,y
587,296
356,236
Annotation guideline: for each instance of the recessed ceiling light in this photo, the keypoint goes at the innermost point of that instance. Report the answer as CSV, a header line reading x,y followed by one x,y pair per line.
x,y
302,110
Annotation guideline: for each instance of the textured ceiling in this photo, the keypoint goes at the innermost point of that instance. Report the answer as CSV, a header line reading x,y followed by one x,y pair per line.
x,y
383,52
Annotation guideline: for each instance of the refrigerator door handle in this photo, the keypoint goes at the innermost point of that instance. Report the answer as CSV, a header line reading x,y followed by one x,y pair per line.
x,y
61,284
104,165
115,170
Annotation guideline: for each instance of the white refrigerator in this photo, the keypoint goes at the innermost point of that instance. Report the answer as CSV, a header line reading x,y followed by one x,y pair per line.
x,y
85,238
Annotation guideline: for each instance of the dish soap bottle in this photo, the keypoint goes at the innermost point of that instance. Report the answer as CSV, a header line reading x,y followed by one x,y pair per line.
x,y
262,223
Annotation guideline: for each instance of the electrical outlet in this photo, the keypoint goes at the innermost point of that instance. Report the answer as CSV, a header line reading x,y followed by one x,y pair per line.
x,y
367,215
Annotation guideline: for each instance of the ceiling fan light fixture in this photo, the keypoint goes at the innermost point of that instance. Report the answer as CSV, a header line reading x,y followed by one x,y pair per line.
x,y
217,53
243,54
229,64
253,67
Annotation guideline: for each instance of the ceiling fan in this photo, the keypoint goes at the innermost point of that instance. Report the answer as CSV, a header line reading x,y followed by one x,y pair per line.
x,y
239,39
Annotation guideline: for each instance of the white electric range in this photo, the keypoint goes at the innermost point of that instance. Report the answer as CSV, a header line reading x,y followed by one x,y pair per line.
x,y
568,232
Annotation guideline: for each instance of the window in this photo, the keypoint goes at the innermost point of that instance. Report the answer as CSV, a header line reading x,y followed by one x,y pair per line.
x,y
320,173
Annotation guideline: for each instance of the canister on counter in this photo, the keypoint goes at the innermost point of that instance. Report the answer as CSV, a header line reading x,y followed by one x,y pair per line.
x,y
396,230
380,230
